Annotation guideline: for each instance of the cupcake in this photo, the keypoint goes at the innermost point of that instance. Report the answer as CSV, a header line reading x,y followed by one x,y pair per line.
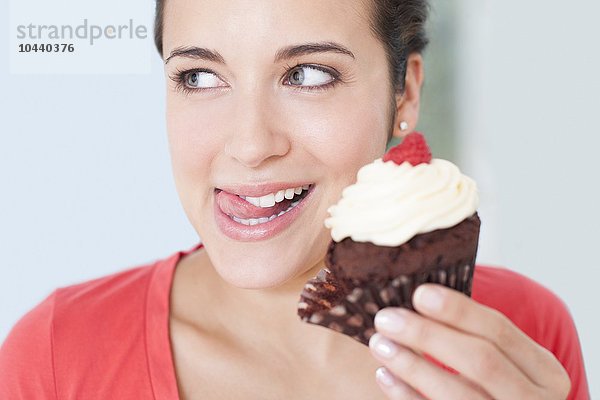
x,y
409,219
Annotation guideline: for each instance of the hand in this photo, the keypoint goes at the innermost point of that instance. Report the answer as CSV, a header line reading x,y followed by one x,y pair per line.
x,y
494,359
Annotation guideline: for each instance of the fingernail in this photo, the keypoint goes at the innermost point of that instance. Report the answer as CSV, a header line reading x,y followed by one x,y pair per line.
x,y
429,297
385,377
382,346
390,320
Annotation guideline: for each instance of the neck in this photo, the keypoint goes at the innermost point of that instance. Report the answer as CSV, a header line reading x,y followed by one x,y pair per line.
x,y
261,320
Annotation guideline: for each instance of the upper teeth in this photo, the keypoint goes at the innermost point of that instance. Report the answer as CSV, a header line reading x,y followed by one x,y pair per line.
x,y
270,199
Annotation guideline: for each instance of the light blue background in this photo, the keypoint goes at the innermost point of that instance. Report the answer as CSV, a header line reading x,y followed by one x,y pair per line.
x,y
87,187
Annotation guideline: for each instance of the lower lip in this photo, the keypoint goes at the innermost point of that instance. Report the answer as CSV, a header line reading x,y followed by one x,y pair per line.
x,y
252,233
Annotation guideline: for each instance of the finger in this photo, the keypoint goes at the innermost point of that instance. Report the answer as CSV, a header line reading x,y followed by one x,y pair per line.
x,y
457,310
393,388
422,375
475,358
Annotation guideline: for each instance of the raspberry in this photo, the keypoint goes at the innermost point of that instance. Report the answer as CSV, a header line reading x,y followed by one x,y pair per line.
x,y
413,149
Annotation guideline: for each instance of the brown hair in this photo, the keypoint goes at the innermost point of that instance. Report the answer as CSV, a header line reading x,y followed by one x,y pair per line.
x,y
400,26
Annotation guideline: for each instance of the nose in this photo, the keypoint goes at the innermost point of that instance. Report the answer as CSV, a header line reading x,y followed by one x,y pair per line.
x,y
255,135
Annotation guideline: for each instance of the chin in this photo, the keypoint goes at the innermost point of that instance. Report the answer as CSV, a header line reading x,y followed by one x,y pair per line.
x,y
266,264
256,275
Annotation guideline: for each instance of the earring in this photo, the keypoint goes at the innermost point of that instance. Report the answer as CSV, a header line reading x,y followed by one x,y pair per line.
x,y
403,125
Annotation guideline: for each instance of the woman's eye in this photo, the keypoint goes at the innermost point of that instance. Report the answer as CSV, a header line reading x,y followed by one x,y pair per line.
x,y
201,79
309,76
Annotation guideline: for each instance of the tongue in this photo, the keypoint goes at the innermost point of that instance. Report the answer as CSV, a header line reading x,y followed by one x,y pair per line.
x,y
234,205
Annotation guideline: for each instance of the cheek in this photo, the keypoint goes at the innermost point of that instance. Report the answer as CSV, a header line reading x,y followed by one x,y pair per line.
x,y
345,134
363,139
192,139
193,145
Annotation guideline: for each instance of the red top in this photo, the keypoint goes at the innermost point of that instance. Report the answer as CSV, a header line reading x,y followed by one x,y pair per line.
x,y
108,338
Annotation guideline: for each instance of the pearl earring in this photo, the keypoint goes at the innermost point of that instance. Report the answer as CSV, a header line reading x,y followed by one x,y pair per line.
x,y
403,125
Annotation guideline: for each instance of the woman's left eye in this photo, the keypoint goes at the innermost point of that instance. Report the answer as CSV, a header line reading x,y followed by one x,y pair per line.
x,y
307,76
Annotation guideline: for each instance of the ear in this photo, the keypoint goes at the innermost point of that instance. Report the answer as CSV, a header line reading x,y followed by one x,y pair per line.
x,y
407,104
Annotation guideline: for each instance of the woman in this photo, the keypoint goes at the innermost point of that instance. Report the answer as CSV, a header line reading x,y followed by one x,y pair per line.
x,y
265,96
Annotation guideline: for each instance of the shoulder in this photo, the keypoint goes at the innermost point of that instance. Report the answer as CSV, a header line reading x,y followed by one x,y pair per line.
x,y
63,330
529,304
26,365
81,336
104,298
538,312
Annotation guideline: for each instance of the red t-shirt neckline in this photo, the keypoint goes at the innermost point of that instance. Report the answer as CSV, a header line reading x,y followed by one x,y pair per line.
x,y
158,341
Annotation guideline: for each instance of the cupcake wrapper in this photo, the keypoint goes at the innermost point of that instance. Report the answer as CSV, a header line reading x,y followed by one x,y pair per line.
x,y
326,302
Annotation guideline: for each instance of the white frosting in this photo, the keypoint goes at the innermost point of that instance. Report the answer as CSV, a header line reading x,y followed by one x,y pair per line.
x,y
390,203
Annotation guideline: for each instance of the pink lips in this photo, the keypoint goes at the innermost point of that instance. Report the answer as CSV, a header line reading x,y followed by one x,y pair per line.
x,y
247,233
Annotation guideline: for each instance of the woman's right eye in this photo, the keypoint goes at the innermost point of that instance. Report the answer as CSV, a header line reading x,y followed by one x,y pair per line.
x,y
201,80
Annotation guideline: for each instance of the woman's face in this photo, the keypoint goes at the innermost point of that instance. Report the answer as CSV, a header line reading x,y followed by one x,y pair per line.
x,y
251,113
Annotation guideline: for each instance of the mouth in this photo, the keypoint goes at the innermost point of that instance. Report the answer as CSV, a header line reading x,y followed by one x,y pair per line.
x,y
238,218
257,210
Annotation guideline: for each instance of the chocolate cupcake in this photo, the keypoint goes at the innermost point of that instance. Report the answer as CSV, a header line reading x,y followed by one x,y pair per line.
x,y
408,220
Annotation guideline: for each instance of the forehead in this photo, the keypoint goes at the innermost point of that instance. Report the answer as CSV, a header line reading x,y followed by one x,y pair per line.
x,y
263,25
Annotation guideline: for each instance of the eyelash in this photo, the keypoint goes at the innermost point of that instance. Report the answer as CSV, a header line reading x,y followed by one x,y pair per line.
x,y
180,78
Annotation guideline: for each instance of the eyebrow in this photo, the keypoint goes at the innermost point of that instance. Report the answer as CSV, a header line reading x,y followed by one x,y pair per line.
x,y
200,53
